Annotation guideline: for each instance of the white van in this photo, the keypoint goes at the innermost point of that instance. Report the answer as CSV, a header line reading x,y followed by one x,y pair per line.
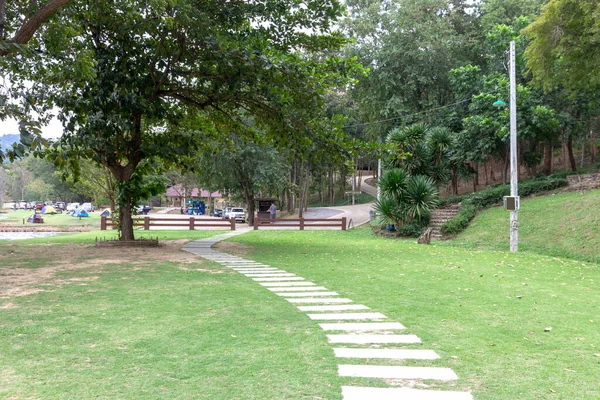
x,y
89,207
72,206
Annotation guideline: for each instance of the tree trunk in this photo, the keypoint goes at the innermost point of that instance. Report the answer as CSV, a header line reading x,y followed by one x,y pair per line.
x,y
307,186
564,156
548,158
125,222
454,180
592,146
570,152
251,208
331,187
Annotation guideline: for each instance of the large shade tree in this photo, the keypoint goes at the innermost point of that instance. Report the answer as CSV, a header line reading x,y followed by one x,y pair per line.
x,y
153,79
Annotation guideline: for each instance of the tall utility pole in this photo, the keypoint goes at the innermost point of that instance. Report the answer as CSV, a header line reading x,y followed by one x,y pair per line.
x,y
514,176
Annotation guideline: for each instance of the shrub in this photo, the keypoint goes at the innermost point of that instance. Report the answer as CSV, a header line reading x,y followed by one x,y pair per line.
x,y
493,195
461,220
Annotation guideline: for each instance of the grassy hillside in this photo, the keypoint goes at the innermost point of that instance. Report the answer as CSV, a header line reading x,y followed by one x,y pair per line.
x,y
564,224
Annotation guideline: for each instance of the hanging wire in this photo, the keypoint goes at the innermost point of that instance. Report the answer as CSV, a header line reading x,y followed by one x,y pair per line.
x,y
418,113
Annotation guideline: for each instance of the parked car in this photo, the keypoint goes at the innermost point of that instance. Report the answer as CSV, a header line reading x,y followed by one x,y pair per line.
x,y
143,209
89,207
217,212
238,213
39,205
60,206
226,212
72,206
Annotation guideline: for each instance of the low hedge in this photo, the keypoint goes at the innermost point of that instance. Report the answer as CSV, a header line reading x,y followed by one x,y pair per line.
x,y
473,202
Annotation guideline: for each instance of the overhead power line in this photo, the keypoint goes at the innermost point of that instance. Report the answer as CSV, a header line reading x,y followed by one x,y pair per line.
x,y
418,113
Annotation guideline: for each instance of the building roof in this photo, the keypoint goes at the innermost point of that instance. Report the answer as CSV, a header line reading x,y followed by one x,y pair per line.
x,y
178,191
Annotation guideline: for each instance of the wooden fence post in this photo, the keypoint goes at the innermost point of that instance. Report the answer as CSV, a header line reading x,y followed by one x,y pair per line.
x,y
256,223
232,223
102,223
191,223
343,223
301,224
146,223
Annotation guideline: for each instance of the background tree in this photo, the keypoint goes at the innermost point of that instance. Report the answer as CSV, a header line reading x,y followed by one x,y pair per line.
x,y
130,78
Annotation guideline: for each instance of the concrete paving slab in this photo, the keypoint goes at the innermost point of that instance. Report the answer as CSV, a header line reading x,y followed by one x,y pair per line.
x,y
272,275
320,300
368,393
296,288
297,278
347,307
306,294
303,283
256,269
373,339
396,372
392,354
346,316
362,326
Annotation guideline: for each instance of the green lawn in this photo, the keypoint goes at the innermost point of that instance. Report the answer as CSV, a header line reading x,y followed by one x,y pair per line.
x,y
160,331
484,312
562,225
140,325
62,221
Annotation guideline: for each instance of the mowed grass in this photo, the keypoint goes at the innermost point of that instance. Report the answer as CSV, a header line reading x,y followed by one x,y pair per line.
x,y
563,225
156,330
512,326
61,221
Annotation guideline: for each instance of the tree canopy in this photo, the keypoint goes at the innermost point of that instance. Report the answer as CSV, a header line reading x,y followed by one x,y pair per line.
x,y
137,80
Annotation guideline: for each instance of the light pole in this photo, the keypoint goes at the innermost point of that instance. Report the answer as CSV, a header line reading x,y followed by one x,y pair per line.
x,y
514,176
512,203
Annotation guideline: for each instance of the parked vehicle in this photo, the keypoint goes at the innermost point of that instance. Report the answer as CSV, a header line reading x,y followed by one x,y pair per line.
x,y
39,205
59,205
226,212
217,212
72,206
143,209
238,213
89,207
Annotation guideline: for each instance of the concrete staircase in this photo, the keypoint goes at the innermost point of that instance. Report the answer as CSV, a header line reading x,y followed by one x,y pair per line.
x,y
439,216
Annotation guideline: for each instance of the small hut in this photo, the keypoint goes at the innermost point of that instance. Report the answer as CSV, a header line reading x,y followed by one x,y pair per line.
x,y
262,209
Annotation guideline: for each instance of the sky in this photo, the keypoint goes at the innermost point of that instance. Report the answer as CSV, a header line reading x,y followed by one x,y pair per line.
x,y
52,130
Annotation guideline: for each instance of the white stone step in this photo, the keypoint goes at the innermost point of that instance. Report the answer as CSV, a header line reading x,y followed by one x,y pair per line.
x,y
402,393
248,266
272,284
346,316
306,294
320,300
395,354
296,288
362,326
273,275
396,372
373,339
254,269
296,278
347,307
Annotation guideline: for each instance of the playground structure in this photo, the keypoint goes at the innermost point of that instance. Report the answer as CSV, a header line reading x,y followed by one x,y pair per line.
x,y
195,207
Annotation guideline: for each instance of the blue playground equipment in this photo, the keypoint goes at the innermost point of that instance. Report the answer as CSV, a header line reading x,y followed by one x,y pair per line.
x,y
196,207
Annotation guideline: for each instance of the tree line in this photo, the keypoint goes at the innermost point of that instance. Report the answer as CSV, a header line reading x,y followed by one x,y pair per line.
x,y
286,98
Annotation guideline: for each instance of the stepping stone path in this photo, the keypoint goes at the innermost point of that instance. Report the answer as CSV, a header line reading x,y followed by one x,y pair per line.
x,y
355,329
